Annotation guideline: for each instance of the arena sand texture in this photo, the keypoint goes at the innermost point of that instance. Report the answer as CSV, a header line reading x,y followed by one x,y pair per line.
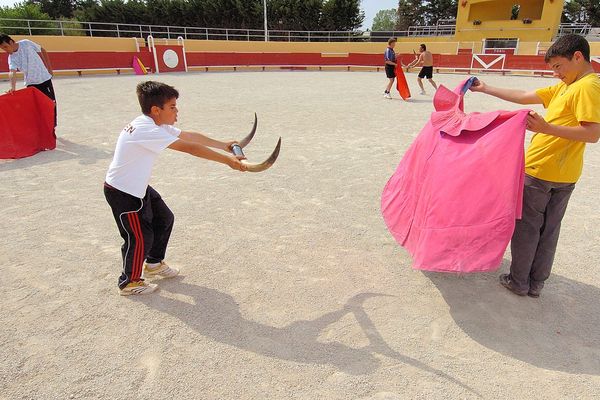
x,y
291,286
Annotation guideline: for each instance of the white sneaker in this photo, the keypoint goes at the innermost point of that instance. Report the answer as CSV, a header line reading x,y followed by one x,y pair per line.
x,y
161,270
138,288
387,95
423,92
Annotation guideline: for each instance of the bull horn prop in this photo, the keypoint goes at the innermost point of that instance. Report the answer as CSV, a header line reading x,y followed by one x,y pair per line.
x,y
253,167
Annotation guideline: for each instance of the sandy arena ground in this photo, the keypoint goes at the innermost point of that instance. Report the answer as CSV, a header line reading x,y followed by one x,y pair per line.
x,y
291,286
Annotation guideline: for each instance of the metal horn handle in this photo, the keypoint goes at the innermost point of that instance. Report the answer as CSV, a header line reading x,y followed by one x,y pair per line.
x,y
237,150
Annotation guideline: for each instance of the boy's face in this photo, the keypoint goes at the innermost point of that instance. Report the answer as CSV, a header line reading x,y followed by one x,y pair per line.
x,y
167,115
393,44
567,70
8,47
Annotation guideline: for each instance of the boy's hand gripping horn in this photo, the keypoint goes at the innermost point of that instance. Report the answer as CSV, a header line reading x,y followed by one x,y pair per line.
x,y
252,167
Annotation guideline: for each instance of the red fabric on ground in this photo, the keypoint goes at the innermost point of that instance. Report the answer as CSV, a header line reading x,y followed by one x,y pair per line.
x,y
26,123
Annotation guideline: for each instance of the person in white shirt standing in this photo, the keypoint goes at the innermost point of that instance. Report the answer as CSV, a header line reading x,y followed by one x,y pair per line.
x,y
144,220
31,59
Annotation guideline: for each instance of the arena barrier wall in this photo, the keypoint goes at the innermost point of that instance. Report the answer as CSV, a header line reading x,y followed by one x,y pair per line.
x,y
85,55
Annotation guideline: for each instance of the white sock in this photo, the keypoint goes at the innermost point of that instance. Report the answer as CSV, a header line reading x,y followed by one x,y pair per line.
x,y
152,266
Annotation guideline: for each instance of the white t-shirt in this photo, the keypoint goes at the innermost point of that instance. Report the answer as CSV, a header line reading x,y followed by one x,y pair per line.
x,y
138,146
27,60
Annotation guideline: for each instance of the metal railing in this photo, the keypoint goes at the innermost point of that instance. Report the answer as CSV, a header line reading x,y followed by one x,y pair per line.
x,y
106,29
594,35
577,28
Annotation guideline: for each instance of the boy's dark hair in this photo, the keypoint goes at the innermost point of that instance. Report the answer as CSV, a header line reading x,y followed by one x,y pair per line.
x,y
4,38
423,46
392,40
566,46
151,93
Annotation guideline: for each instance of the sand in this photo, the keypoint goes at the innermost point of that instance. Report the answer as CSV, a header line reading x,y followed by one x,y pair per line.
x,y
291,286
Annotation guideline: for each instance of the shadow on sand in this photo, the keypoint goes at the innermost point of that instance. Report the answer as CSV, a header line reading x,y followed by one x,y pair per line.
x,y
559,331
65,150
216,315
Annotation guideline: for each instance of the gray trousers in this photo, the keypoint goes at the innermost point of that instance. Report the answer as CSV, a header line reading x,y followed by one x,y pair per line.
x,y
535,238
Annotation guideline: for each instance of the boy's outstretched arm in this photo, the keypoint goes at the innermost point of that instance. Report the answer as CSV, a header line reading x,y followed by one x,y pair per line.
x,y
204,140
202,151
512,95
587,132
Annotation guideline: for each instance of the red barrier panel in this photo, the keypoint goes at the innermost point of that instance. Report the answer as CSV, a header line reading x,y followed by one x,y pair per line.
x,y
525,62
170,58
90,59
452,61
98,60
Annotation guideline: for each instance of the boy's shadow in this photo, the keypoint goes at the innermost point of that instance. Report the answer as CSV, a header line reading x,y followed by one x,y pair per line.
x,y
65,150
217,316
558,331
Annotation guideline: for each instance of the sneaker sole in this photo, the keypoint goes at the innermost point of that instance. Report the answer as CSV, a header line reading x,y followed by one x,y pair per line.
x,y
136,293
151,275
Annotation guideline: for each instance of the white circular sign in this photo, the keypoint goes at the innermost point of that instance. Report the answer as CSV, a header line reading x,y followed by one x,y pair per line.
x,y
170,58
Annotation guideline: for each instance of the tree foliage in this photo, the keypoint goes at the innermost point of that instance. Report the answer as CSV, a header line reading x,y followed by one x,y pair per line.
x,y
341,15
25,11
385,20
419,12
583,11
299,15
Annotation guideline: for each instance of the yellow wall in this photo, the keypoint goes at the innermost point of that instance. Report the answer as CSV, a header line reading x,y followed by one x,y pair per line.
x,y
495,20
527,48
439,44
530,9
494,10
82,43
442,45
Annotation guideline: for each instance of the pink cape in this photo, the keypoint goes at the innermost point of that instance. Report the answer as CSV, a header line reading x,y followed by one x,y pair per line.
x,y
454,198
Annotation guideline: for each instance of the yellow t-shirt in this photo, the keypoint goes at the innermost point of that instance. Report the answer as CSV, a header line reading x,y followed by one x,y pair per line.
x,y
556,159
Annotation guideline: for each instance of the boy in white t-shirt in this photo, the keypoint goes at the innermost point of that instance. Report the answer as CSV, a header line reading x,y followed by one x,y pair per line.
x,y
31,59
144,220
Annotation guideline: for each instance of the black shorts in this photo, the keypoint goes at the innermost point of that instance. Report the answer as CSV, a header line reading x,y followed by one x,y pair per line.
x,y
390,71
426,72
48,90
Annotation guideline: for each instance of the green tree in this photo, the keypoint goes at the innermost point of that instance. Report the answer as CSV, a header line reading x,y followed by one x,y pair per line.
x,y
341,15
301,15
385,20
56,9
410,13
582,11
26,11
435,10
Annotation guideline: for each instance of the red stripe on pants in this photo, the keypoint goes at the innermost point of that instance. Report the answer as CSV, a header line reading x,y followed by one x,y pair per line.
x,y
138,258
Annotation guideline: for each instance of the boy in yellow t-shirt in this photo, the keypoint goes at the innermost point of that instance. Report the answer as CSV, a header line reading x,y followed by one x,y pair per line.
x,y
554,158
